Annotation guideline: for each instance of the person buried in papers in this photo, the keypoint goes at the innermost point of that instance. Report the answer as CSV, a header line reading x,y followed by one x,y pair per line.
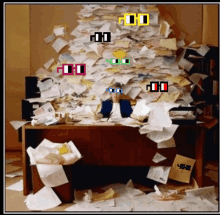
x,y
116,108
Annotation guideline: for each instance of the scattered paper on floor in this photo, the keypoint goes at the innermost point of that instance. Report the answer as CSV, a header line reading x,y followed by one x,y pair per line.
x,y
17,186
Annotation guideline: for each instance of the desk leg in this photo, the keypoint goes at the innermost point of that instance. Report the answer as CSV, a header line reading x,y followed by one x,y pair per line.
x,y
199,151
27,182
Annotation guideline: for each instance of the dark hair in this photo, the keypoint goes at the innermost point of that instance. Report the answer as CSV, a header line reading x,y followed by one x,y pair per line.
x,y
116,84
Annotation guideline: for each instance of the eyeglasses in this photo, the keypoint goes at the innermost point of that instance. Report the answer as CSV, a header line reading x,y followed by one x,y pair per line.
x,y
98,37
113,90
67,69
125,61
130,19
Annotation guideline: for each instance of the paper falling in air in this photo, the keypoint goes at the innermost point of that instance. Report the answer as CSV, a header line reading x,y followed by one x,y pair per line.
x,y
168,43
18,124
59,31
203,50
44,199
164,28
17,186
48,64
159,173
185,64
158,158
59,44
52,175
50,38
195,78
182,168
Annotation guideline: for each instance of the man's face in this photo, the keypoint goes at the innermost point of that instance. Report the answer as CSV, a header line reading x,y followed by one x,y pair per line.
x,y
115,97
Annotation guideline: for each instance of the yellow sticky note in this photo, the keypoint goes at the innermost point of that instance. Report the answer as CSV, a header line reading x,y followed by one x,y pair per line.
x,y
64,149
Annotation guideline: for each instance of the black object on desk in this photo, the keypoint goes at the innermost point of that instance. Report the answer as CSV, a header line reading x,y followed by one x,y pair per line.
x,y
28,108
31,88
184,121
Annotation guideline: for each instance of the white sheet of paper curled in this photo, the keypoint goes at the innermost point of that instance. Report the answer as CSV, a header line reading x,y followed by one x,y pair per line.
x,y
52,175
166,134
44,199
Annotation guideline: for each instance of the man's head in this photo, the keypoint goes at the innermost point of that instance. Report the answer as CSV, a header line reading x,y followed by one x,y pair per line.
x,y
116,96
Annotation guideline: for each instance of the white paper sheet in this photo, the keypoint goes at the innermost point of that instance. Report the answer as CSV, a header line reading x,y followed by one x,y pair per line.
x,y
48,64
141,109
54,91
17,186
204,193
59,44
158,158
159,117
203,50
159,173
185,64
50,38
42,200
59,31
46,108
46,85
52,175
166,134
18,124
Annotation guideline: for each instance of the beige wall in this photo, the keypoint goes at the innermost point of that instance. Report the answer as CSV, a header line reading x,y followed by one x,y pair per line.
x,y
43,18
17,66
187,18
210,24
26,51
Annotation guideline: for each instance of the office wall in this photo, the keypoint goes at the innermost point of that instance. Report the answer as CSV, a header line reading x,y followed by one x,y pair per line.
x,y
210,24
187,19
43,18
17,66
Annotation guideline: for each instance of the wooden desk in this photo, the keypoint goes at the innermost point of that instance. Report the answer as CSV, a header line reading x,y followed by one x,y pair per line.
x,y
113,146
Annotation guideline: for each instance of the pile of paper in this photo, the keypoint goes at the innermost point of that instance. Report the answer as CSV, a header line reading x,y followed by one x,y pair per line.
x,y
129,198
149,49
48,152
